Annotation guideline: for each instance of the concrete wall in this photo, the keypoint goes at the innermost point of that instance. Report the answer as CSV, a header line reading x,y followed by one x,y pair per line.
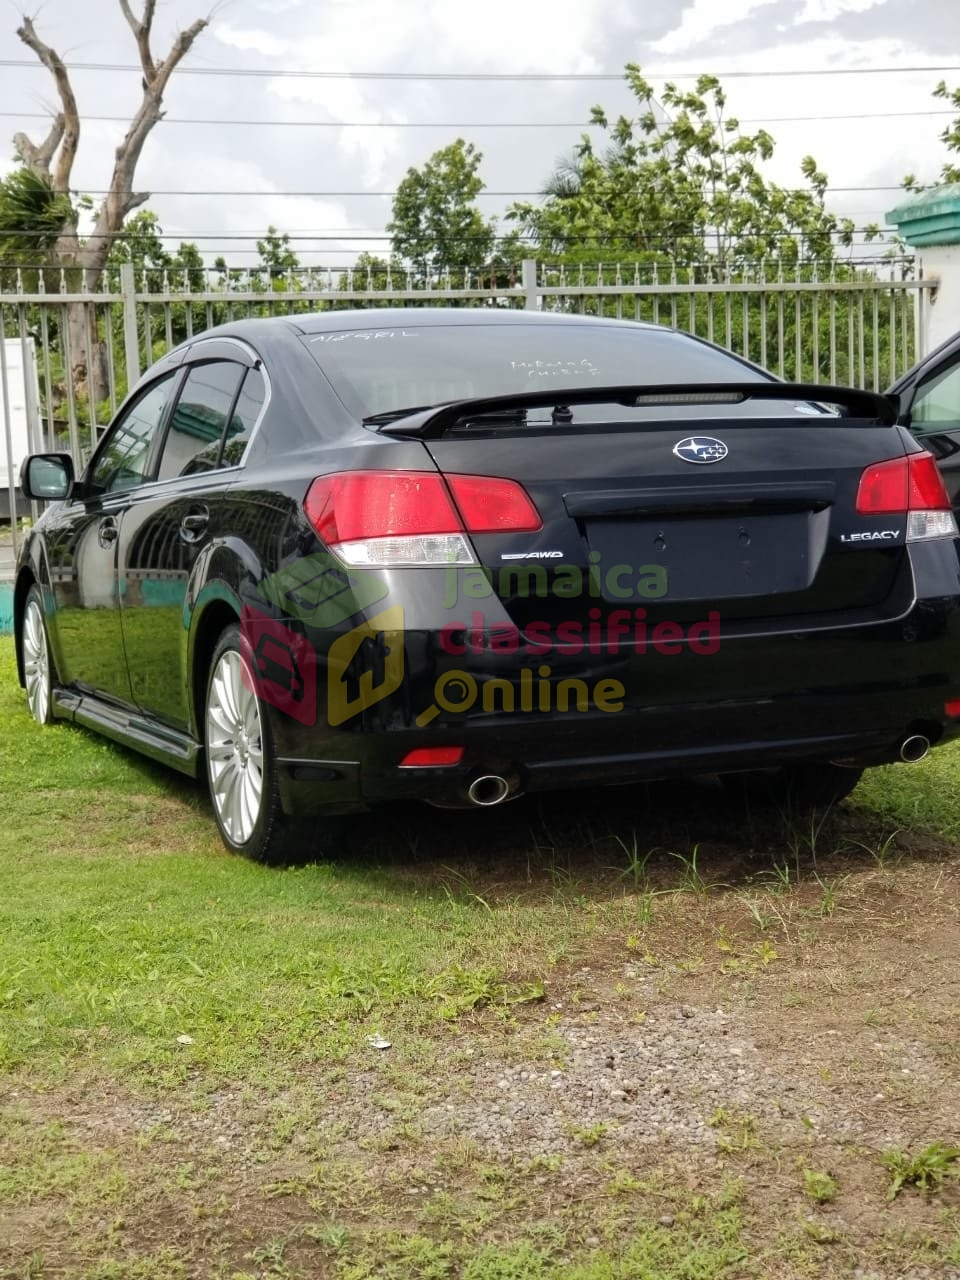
x,y
942,312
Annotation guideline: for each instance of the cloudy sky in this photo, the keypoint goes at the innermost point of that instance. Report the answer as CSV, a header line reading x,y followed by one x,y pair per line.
x,y
286,134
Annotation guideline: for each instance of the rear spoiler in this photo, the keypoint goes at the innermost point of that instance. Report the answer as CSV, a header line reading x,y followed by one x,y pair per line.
x,y
428,424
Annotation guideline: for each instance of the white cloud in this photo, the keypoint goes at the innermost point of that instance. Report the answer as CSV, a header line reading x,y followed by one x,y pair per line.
x,y
830,10
246,38
704,17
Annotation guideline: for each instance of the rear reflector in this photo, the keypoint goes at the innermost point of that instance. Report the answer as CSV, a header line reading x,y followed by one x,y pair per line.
x,y
431,757
912,487
952,708
413,518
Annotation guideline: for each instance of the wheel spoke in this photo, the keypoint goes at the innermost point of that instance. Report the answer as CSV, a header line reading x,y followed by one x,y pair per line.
x,y
36,663
234,749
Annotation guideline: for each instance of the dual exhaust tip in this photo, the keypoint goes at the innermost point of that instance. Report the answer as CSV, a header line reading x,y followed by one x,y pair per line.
x,y
489,789
914,748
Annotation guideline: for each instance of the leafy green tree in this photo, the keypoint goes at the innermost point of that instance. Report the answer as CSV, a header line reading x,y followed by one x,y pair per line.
x,y
951,135
32,214
686,188
436,224
158,270
277,256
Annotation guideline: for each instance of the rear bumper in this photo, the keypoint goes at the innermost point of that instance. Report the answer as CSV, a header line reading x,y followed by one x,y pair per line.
x,y
850,695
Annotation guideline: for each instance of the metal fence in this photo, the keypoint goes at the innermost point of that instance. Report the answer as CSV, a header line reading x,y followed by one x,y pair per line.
x,y
859,325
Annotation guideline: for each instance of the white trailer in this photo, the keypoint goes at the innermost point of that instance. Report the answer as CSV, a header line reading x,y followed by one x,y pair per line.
x,y
19,417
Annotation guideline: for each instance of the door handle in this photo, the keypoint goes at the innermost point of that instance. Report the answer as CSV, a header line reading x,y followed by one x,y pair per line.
x,y
107,532
193,524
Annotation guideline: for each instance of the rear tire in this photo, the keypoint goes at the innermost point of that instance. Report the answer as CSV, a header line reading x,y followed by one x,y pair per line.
x,y
241,767
816,785
37,659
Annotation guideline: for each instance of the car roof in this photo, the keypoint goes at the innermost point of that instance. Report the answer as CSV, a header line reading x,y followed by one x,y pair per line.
x,y
418,317
408,317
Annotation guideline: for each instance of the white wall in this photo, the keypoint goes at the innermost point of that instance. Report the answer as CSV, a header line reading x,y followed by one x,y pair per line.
x,y
941,315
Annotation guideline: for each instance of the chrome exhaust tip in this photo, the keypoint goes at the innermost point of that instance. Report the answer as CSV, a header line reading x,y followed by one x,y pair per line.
x,y
914,748
487,790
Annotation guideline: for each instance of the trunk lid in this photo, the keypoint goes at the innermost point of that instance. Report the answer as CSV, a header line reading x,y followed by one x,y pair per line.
x,y
767,531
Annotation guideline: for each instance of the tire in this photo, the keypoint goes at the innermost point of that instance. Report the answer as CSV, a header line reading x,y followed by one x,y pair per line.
x,y
37,660
240,763
802,787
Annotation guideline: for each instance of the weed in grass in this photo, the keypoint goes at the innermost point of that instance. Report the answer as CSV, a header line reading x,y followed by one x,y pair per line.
x,y
829,889
623,1183
738,1133
782,877
692,879
589,1135
819,1187
760,914
637,861
885,853
820,1233
521,1261
802,834
927,1170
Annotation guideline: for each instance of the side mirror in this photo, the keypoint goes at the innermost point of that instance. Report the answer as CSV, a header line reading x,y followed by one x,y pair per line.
x,y
47,477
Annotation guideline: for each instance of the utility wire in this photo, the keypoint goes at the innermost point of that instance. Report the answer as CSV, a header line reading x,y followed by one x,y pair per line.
x,y
453,124
287,73
326,195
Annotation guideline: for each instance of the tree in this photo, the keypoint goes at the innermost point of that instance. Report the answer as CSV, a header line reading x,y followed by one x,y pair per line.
x,y
156,270
51,161
31,217
277,258
436,224
686,188
950,137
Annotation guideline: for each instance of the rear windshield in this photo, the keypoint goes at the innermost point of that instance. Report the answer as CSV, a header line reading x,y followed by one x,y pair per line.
x,y
377,371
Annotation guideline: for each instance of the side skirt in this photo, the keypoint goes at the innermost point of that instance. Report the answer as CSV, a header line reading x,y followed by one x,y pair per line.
x,y
156,741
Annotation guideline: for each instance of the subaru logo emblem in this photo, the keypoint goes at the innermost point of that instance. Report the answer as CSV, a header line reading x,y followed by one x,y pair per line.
x,y
701,449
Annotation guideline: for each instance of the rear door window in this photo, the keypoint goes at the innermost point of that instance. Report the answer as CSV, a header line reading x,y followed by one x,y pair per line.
x,y
199,423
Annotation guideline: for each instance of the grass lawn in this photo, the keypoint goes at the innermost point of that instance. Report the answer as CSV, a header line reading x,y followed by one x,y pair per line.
x,y
630,1035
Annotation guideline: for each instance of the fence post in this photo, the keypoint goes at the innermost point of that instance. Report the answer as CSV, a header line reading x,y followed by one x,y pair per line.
x,y
930,223
528,276
131,345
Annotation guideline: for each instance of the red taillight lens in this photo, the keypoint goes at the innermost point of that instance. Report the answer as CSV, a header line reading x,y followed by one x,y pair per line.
x,y
927,490
431,757
414,517
491,505
906,484
380,504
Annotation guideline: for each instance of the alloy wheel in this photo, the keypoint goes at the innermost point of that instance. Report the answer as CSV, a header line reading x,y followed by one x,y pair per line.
x,y
36,663
234,741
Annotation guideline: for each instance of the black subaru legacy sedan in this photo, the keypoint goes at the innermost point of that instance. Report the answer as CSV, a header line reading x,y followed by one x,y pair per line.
x,y
458,555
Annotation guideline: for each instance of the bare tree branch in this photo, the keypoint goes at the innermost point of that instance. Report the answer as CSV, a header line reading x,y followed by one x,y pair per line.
x,y
121,198
141,29
70,116
38,158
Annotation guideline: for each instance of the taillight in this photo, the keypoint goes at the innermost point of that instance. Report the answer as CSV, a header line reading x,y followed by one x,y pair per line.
x,y
413,518
912,487
492,505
